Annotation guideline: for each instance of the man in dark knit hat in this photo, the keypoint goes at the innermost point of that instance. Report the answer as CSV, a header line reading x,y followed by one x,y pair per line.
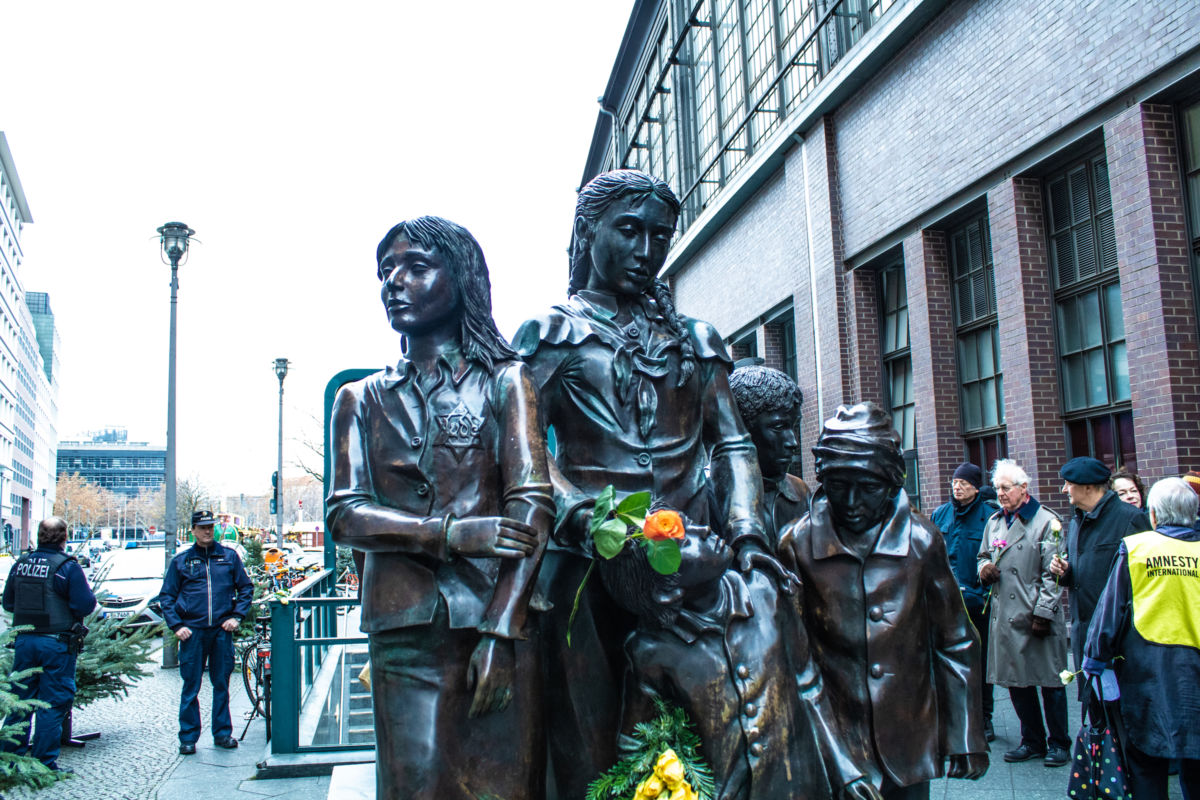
x,y
897,652
961,521
1099,521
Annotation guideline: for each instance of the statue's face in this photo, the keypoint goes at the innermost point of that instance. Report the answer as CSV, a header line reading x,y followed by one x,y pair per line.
x,y
774,435
858,500
629,244
704,557
417,289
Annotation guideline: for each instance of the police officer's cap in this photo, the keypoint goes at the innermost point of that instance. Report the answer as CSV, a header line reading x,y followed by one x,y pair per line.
x,y
200,518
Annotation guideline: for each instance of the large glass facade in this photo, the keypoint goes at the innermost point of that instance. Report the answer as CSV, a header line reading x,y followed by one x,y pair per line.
x,y
718,79
981,379
1090,328
897,369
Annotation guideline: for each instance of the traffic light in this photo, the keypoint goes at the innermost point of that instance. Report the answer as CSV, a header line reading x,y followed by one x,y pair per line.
x,y
273,509
274,491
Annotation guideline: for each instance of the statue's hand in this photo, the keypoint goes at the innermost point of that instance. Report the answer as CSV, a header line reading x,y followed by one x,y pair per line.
x,y
861,789
751,557
490,537
969,766
491,673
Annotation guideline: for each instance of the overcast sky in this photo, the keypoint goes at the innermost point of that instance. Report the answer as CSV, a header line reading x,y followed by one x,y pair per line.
x,y
290,136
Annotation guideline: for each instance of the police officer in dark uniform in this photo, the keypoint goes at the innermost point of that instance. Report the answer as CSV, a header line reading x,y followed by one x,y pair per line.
x,y
47,590
205,594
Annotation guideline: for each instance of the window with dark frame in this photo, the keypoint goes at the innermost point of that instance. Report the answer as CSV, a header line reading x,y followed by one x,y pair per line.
x,y
981,379
745,347
897,370
1189,150
1089,326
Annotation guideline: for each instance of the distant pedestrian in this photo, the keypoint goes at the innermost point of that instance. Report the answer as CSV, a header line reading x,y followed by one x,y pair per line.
x,y
205,594
1129,488
1149,616
1028,643
1098,524
47,590
961,521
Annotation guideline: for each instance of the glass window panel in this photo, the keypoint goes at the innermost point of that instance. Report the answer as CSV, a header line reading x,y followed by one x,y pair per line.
x,y
1112,312
1118,366
984,344
1068,327
910,428
1073,383
995,337
1000,397
1088,314
1097,382
987,397
968,363
1191,127
1193,182
1102,440
902,328
1077,438
1126,440
972,418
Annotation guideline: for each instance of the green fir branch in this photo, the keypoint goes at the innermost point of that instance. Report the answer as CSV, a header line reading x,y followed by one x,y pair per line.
x,y
671,730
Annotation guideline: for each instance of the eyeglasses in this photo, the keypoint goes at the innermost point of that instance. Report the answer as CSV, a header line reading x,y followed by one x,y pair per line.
x,y
1005,488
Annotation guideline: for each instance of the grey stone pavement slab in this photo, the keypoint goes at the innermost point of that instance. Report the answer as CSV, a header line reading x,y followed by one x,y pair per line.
x,y
136,757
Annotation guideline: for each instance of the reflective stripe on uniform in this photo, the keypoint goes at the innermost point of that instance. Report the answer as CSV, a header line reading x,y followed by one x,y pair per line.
x,y
1164,574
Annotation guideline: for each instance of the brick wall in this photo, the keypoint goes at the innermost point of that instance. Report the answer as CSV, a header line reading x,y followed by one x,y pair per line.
x,y
1156,296
1025,318
935,375
984,81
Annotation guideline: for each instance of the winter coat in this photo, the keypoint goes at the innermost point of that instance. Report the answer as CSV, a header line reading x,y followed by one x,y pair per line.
x,y
963,529
893,641
1092,541
203,587
1023,552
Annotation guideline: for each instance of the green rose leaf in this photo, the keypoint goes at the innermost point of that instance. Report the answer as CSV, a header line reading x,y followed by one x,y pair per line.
x,y
609,538
605,502
635,505
663,555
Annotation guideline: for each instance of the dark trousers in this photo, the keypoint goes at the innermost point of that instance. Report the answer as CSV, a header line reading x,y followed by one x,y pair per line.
x,y
980,620
54,685
1033,733
211,647
1148,775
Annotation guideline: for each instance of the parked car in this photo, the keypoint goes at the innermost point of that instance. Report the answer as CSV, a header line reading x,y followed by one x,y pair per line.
x,y
127,585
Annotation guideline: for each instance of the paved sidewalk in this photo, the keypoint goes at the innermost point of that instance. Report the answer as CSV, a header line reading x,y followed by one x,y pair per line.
x,y
137,754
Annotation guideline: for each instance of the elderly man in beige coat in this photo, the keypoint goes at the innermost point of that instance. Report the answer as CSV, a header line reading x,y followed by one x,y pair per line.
x,y
1028,630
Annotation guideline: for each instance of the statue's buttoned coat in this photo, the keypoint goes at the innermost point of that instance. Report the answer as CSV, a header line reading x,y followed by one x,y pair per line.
x,y
1026,589
891,636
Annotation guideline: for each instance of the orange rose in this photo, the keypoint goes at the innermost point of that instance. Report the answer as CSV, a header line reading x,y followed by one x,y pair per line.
x,y
664,524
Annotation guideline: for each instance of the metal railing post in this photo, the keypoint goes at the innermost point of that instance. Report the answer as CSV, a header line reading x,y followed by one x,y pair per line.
x,y
285,680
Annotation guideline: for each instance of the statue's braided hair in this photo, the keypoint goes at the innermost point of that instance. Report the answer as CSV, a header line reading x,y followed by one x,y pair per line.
x,y
594,199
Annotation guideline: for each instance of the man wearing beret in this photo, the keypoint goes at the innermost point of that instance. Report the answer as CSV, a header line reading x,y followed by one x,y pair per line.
x,y
1099,521
961,521
897,652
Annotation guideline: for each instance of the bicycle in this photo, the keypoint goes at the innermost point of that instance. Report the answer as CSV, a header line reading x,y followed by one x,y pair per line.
x,y
256,669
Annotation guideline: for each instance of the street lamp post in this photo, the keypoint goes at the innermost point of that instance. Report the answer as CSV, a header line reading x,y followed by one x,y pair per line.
x,y
173,238
281,369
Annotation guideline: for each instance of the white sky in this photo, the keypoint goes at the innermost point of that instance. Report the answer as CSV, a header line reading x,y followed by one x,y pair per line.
x,y
290,136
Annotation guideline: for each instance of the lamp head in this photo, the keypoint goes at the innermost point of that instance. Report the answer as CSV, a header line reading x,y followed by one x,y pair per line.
x,y
281,368
174,237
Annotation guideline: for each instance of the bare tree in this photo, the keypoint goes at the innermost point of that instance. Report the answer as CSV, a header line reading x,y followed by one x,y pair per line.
x,y
80,502
311,460
190,496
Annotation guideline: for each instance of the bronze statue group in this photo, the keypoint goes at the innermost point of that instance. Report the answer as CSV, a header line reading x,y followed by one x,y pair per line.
x,y
819,646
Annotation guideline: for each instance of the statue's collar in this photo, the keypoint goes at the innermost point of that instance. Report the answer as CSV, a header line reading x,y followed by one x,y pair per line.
x,y
893,539
405,370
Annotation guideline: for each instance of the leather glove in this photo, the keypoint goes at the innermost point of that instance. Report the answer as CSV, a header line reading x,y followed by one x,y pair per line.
x,y
1040,627
989,573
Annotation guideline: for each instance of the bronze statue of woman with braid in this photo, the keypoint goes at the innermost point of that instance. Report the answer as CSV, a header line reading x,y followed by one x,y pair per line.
x,y
638,397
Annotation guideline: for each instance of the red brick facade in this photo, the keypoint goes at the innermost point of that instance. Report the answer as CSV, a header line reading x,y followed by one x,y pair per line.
x,y
1159,309
1025,316
935,376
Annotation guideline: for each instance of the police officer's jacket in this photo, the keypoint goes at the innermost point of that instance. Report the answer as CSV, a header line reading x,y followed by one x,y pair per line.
x,y
47,590
203,587
1149,614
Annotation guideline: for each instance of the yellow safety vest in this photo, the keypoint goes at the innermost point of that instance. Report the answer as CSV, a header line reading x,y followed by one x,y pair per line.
x,y
1165,577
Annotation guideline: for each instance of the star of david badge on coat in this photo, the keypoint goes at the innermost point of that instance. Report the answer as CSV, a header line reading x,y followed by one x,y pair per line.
x,y
459,430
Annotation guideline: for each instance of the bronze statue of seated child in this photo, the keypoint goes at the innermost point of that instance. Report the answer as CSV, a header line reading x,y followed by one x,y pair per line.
x,y
728,649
